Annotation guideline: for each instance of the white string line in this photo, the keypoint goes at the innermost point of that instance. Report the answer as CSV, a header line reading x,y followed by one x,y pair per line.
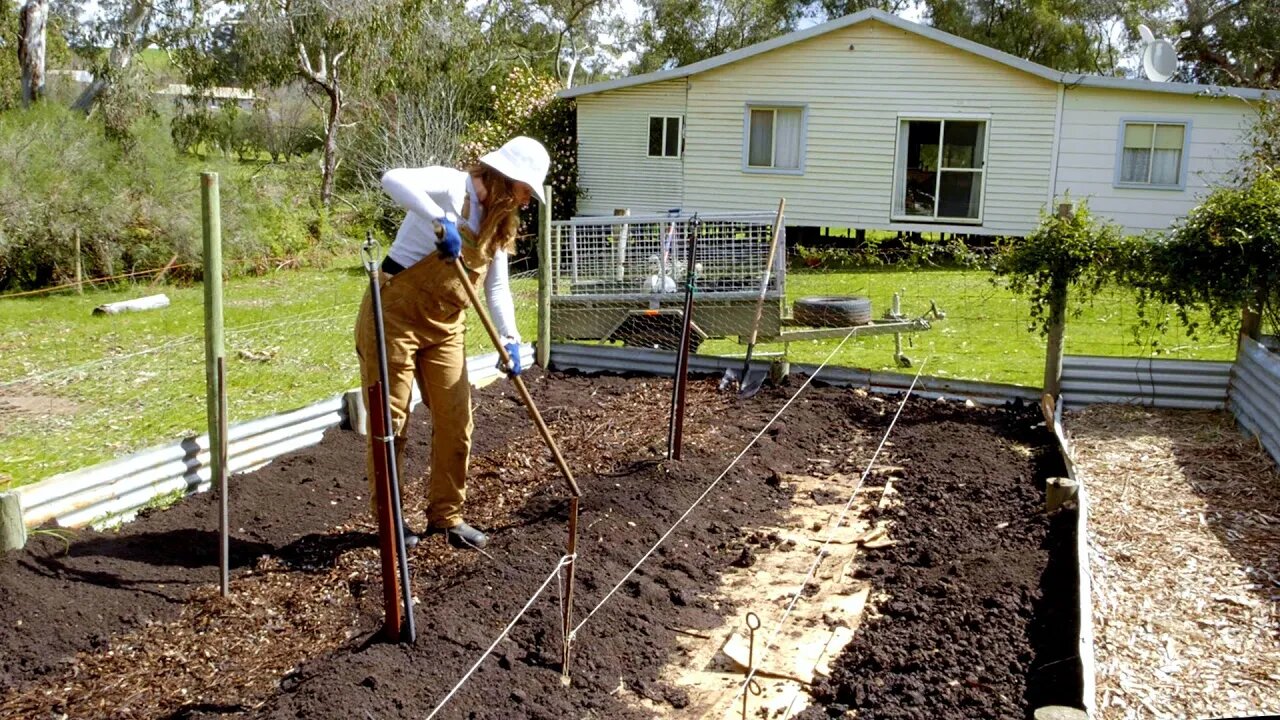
x,y
555,573
822,551
710,487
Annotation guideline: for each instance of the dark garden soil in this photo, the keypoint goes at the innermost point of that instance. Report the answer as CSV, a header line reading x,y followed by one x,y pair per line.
x,y
979,615
126,624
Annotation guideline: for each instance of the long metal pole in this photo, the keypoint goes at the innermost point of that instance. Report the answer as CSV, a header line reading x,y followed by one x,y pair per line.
x,y
215,394
388,440
675,432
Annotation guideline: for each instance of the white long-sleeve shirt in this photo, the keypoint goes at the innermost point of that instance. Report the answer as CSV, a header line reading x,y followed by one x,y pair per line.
x,y
435,193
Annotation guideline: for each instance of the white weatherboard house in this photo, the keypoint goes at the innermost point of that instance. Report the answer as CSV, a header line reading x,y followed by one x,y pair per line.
x,y
871,121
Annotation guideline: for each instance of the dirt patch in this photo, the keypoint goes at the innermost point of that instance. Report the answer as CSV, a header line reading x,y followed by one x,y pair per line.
x,y
969,619
17,403
155,641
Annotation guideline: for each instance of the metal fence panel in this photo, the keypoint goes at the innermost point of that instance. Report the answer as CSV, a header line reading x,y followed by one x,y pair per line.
x,y
1255,395
117,489
1182,384
607,358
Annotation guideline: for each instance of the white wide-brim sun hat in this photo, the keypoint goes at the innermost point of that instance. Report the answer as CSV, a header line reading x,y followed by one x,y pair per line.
x,y
522,159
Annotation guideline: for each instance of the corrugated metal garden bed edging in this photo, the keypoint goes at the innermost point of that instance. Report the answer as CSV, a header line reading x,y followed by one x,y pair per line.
x,y
1154,382
1084,580
1255,394
592,359
113,491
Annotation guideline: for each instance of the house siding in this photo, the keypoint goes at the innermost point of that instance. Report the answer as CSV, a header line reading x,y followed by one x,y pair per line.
x,y
854,98
613,148
1088,149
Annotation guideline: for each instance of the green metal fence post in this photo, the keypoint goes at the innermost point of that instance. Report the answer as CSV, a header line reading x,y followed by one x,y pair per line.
x,y
215,379
544,281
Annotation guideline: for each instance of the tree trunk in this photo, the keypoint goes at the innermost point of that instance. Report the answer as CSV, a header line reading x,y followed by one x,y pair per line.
x,y
331,142
131,38
31,34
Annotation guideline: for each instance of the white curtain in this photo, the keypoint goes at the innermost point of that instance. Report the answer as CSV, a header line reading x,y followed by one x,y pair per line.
x,y
788,138
1164,167
761,150
1135,165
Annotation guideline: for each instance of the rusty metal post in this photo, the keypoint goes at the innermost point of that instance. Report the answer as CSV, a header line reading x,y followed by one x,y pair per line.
x,y
675,434
394,628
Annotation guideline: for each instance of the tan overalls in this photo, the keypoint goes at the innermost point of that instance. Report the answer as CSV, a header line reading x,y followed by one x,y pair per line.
x,y
425,326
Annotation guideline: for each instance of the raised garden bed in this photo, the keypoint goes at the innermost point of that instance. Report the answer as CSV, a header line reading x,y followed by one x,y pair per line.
x,y
968,616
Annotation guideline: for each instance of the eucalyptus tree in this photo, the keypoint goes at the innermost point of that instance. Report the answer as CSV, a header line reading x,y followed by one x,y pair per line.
x,y
325,45
673,33
1068,35
1230,42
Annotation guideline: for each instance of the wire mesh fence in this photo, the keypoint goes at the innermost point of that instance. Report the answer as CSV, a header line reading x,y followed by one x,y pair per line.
x,y
76,389
623,279
899,309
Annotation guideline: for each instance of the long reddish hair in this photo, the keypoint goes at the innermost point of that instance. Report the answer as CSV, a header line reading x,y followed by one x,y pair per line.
x,y
501,221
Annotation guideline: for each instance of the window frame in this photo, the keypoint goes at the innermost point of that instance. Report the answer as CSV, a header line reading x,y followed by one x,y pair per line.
x,y
771,169
666,124
899,173
1183,164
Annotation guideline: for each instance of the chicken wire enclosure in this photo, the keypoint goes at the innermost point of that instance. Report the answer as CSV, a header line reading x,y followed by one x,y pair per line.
x,y
623,278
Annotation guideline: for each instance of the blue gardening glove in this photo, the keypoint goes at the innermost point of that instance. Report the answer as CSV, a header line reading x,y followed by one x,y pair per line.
x,y
449,242
513,350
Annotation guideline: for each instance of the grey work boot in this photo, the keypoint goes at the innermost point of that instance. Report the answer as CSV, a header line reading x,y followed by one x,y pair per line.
x,y
410,537
463,537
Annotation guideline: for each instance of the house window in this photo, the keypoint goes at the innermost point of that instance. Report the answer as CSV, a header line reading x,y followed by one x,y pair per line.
x,y
940,170
664,136
1152,154
775,138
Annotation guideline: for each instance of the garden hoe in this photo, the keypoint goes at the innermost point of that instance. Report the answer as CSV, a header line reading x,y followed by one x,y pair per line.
x,y
574,494
396,594
749,384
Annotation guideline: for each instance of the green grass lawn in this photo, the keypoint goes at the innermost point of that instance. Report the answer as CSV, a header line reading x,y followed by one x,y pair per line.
x,y
985,334
77,389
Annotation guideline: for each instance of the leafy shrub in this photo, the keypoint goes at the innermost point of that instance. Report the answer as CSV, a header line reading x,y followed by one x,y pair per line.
x,y
526,104
135,206
1075,251
1223,258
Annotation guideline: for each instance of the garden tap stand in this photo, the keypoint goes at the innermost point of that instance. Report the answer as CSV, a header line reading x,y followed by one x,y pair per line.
x,y
395,563
571,547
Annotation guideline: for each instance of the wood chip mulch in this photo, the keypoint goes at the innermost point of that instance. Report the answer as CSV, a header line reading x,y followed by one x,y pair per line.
x,y
229,654
1184,551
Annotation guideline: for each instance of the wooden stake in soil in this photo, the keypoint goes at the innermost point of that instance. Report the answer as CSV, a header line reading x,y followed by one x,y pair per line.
x,y
13,532
572,544
79,265
214,357
675,435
